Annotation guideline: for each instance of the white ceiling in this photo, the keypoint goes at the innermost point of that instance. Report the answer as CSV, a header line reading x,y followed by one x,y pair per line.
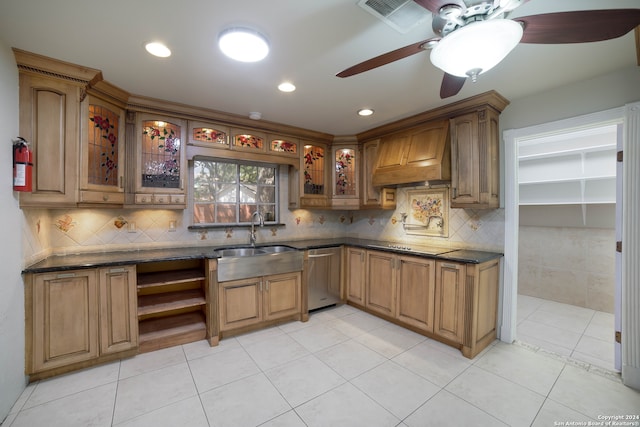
x,y
310,42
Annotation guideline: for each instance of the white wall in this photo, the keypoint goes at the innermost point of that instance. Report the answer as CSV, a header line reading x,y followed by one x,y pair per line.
x,y
12,378
589,96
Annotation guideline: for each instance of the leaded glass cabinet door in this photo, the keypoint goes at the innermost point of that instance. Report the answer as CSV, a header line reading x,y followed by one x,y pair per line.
x,y
345,184
161,160
102,154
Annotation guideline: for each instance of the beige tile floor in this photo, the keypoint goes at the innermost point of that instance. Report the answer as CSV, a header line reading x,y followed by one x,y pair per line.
x,y
342,368
576,332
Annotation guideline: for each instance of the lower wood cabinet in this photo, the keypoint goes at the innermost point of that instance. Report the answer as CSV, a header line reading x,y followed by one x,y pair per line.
x,y
248,302
415,290
75,318
381,283
355,275
453,302
401,287
449,301
118,309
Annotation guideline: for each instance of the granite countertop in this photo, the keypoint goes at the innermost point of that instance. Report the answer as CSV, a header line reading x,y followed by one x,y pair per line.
x,y
107,259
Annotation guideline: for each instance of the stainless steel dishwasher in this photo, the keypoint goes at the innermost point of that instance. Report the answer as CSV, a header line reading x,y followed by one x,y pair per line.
x,y
323,277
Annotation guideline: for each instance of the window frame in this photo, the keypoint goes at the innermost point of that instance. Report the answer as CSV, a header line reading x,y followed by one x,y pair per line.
x,y
238,185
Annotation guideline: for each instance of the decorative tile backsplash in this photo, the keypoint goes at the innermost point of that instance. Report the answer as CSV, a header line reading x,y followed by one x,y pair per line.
x,y
61,232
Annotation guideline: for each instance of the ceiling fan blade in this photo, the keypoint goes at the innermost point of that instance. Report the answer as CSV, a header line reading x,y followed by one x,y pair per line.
x,y
579,26
435,5
451,85
384,59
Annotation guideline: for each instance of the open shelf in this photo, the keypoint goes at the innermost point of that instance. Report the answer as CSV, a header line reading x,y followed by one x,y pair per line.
x,y
170,301
173,330
165,278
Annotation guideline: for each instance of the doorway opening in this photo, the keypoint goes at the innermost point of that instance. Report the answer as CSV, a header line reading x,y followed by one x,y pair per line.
x,y
564,221
566,245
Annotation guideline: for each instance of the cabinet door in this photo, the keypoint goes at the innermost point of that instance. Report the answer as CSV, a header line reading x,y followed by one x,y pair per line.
x,y
315,175
240,303
49,114
65,319
475,167
449,301
118,309
346,163
355,276
161,159
416,287
381,281
281,295
465,159
102,152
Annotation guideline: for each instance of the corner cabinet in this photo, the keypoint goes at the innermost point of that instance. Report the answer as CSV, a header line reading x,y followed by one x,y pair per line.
x,y
314,180
453,302
475,160
159,175
79,318
345,183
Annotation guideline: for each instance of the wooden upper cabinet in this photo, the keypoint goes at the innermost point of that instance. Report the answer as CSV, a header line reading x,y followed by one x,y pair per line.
x,y
102,147
346,175
248,140
314,179
209,135
283,145
370,195
475,160
49,112
160,167
74,123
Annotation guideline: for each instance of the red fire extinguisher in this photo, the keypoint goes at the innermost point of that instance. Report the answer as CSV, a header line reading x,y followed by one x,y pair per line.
x,y
22,165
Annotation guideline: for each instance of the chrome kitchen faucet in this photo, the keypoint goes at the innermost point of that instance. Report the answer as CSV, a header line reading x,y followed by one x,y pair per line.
x,y
252,234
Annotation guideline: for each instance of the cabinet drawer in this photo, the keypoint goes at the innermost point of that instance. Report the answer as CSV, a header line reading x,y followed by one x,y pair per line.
x,y
161,199
101,197
178,199
144,199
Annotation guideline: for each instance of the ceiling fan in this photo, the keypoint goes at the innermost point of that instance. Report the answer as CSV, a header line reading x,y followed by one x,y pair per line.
x,y
475,35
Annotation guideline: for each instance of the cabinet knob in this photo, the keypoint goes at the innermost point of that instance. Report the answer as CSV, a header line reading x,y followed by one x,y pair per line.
x,y
105,197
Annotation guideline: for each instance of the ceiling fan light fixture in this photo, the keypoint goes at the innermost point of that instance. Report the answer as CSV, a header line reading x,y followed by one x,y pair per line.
x,y
243,44
477,47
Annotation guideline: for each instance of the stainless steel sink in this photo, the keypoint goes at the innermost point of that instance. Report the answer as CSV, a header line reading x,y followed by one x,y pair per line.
x,y
276,248
239,252
243,263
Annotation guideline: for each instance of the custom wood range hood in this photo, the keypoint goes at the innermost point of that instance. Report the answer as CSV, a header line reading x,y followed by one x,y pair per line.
x,y
418,154
421,148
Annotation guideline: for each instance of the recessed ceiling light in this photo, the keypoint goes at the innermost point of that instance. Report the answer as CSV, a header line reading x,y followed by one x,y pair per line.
x,y
243,44
286,87
158,49
365,112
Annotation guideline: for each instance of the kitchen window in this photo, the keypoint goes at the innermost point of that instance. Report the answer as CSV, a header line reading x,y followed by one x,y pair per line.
x,y
228,192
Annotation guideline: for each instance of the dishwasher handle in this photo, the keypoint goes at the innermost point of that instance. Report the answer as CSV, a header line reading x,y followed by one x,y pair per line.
x,y
320,255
